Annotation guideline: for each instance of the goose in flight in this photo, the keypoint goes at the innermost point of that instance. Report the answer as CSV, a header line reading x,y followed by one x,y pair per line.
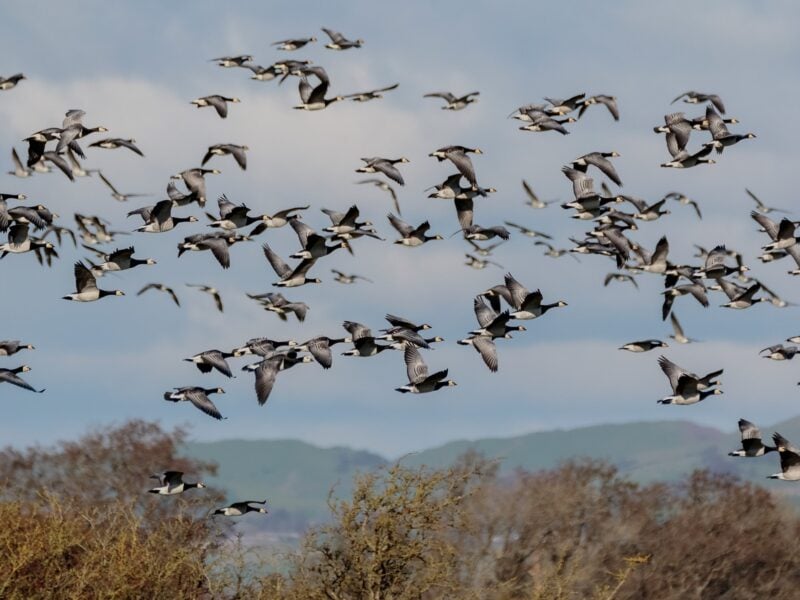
x,y
12,376
11,347
293,43
458,156
339,42
212,359
372,94
212,291
237,509
86,286
385,166
218,102
237,152
692,97
419,380
198,396
751,441
161,288
453,102
171,483
790,459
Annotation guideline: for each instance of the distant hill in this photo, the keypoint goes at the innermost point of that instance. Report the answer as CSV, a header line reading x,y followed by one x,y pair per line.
x,y
296,477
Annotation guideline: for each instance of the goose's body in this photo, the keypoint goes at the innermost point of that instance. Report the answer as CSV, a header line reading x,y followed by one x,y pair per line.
x,y
11,347
86,285
12,376
419,380
171,483
752,445
790,459
453,102
643,346
218,102
237,509
212,359
198,397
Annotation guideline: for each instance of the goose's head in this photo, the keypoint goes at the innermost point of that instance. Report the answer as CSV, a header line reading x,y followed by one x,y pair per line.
x,y
150,261
119,293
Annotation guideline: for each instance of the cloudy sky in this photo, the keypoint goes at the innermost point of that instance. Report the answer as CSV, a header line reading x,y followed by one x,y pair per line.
x,y
134,68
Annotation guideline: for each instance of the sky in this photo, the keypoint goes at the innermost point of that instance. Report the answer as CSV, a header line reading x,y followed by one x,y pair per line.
x,y
135,68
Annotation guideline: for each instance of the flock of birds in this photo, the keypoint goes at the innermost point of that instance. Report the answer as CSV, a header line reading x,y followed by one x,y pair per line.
x,y
498,310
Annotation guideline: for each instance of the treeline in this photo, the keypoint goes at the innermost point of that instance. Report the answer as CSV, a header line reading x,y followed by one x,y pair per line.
x,y
76,522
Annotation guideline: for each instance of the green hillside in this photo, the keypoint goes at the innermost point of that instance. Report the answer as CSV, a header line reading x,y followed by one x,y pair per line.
x,y
296,477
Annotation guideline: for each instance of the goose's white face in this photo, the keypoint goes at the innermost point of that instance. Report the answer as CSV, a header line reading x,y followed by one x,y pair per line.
x,y
119,293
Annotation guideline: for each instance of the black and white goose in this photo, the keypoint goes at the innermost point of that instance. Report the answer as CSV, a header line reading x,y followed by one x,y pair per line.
x,y
320,348
20,170
528,305
599,160
532,199
11,347
453,102
220,103
261,346
279,219
196,182
161,288
19,241
687,387
492,324
12,376
681,159
752,445
528,231
313,244
790,459
380,184
761,207
278,304
232,216
158,218
677,331
722,138
610,102
486,347
746,299
232,61
218,243
412,236
237,509
115,193
114,143
212,291
715,267
171,483
696,289
339,42
386,166
692,97
458,156
643,345
72,129
313,98
212,359
86,286
419,380
198,397
10,82
119,260
293,43
780,352
372,94
348,278
363,341
237,152
544,122
266,371
479,264
289,277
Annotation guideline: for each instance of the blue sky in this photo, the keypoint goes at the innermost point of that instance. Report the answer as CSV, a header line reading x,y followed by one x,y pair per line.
x,y
134,69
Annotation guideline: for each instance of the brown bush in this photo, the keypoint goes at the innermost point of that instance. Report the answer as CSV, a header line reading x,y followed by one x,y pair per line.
x,y
76,522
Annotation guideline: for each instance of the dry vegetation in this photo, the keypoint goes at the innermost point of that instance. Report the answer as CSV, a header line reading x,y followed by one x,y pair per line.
x,y
76,523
